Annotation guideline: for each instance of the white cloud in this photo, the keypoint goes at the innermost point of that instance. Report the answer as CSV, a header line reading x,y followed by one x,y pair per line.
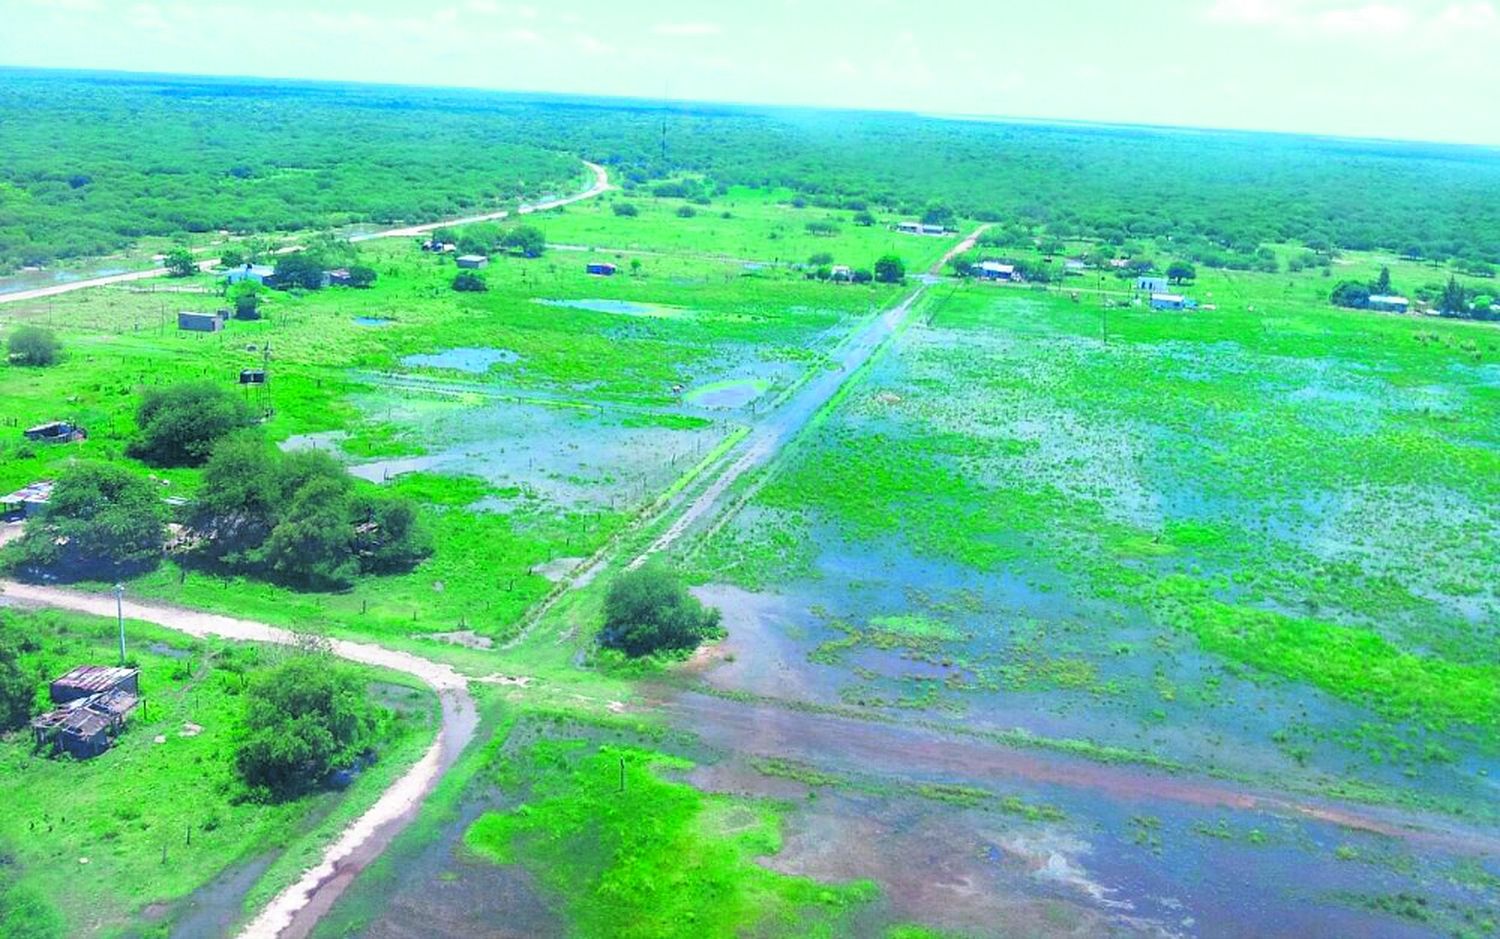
x,y
687,29
527,37
1379,19
592,45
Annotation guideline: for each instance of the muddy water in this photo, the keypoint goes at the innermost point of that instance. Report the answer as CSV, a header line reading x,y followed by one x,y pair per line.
x,y
1191,866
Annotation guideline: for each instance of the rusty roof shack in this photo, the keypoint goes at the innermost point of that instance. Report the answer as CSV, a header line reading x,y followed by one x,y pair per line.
x,y
91,705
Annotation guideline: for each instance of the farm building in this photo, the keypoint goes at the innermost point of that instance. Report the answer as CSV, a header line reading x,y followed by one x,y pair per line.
x,y
473,262
338,277
909,228
201,322
88,680
91,704
1119,264
994,270
1074,267
26,501
601,269
55,432
1152,285
252,376
840,272
259,273
1168,301
1390,304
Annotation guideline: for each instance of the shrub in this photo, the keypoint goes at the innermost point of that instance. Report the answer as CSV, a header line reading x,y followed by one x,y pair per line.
x,y
626,209
181,423
304,719
469,282
102,522
16,690
820,258
32,345
362,275
890,269
686,211
648,611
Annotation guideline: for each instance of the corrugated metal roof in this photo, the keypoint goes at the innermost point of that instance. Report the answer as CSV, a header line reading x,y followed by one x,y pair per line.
x,y
96,678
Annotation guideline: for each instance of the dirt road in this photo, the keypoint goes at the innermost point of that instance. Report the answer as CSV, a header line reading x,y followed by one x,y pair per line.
x,y
600,185
294,911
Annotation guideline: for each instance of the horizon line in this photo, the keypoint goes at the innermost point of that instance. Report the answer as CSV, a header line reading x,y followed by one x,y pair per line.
x,y
668,102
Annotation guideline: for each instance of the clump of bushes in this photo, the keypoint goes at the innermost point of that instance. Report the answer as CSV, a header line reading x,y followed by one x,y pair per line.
x,y
469,282
102,522
304,719
180,424
648,611
297,519
33,345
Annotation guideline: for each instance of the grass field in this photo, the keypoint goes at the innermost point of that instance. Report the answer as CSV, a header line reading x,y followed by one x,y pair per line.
x,y
119,844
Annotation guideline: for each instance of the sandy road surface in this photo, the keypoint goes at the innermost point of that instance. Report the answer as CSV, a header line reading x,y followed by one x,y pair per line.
x,y
600,185
295,910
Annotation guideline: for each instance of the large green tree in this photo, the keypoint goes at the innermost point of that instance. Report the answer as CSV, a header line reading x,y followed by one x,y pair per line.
x,y
17,691
304,719
648,610
102,521
33,345
179,263
525,240
890,269
180,424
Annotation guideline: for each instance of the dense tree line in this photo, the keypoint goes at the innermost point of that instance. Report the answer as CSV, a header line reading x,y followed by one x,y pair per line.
x,y
100,160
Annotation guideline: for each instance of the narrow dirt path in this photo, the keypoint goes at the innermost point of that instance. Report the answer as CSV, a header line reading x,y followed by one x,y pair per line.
x,y
600,186
294,911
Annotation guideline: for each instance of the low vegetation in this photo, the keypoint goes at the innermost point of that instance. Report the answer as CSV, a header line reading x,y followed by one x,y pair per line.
x,y
33,345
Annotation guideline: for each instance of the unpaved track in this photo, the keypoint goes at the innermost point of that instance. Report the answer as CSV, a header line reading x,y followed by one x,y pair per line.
x,y
600,185
783,424
294,911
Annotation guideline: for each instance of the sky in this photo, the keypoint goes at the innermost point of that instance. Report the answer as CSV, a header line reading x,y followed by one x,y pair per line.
x,y
1406,69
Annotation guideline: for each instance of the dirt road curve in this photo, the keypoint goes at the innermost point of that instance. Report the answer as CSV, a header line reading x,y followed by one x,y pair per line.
x,y
600,185
293,912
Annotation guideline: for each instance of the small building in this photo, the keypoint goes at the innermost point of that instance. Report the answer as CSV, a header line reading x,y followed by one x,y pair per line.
x,y
200,322
1119,264
934,229
909,228
88,680
994,270
252,376
840,272
473,262
86,727
338,277
1389,304
55,432
601,269
1074,267
439,247
26,501
258,273
1152,285
1168,301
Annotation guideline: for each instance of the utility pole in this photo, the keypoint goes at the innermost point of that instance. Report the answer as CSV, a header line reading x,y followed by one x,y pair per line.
x,y
120,614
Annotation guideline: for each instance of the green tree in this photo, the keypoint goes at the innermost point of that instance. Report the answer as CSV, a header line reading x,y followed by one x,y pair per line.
x,y
313,544
1351,294
1179,271
245,297
33,345
625,209
389,535
239,501
469,282
233,257
180,424
938,213
17,692
362,275
686,211
102,522
524,240
1455,299
299,269
648,610
890,269
820,259
179,263
304,719
863,218
1382,285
